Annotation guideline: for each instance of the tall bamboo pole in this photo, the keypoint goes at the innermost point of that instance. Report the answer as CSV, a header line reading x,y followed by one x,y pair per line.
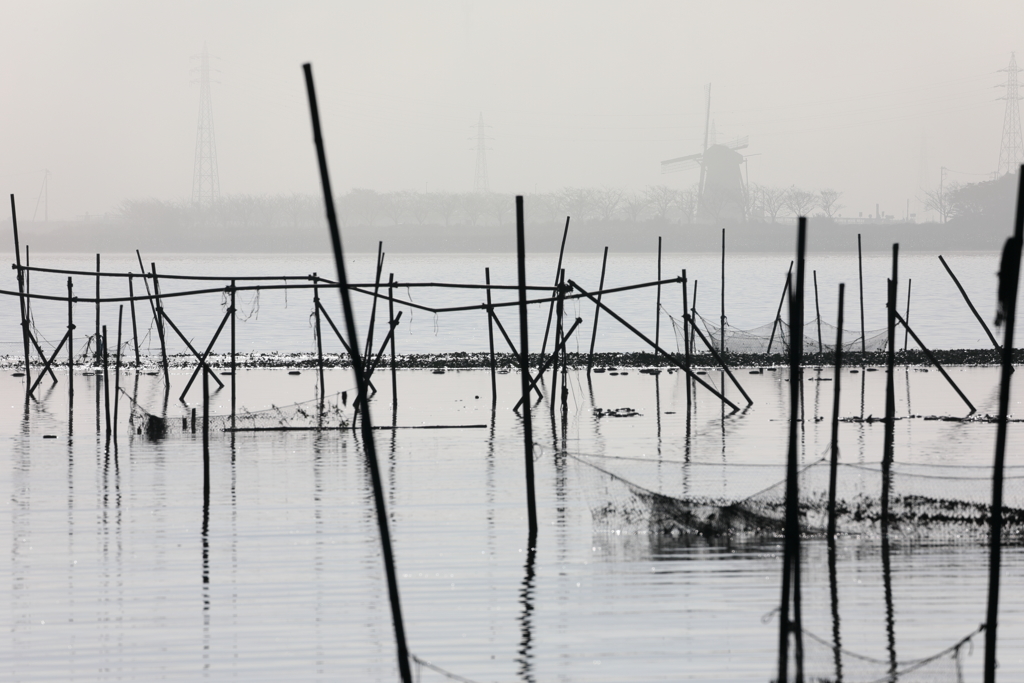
x,y
524,368
135,327
597,310
391,326
860,279
1009,276
657,303
791,555
369,446
490,338
22,300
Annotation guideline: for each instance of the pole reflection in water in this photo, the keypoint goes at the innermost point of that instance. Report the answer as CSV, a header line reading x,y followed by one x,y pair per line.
x,y
906,378
890,614
657,409
205,533
833,585
525,659
318,539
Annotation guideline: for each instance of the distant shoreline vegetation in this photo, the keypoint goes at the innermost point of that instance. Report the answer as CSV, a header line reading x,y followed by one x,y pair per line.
x,y
977,216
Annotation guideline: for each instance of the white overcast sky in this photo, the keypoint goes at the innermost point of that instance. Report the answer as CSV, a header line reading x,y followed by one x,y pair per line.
x,y
871,98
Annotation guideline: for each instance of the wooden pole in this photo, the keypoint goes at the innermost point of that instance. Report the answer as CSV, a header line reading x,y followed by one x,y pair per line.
x,y
106,379
159,312
686,343
721,361
206,436
834,463
391,325
860,278
981,320
723,294
373,307
48,363
135,327
657,303
524,368
99,356
650,341
117,368
369,447
319,339
693,312
28,317
490,338
1009,276
906,318
551,306
817,310
778,312
22,300
152,303
559,310
71,346
562,339
890,392
234,365
201,357
549,360
791,556
935,361
597,311
28,287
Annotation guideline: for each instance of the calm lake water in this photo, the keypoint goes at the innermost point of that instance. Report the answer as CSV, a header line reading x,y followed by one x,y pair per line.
x,y
276,321
116,572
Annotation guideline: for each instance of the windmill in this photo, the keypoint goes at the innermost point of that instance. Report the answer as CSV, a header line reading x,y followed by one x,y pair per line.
x,y
721,190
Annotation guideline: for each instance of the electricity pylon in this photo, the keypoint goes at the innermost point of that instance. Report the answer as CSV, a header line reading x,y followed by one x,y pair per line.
x,y
480,183
1011,149
205,177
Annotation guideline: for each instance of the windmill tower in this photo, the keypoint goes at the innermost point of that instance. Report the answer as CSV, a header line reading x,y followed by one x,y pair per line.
x,y
205,177
1011,149
721,191
480,182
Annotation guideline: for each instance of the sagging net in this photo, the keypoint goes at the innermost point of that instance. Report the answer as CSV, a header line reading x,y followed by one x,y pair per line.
x,y
825,662
306,415
775,337
927,503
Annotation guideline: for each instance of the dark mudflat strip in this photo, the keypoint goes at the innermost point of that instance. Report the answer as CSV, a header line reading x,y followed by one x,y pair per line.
x,y
348,428
506,362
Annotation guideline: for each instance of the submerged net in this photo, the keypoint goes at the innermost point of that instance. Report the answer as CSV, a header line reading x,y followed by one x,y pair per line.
x,y
306,415
825,662
926,503
757,340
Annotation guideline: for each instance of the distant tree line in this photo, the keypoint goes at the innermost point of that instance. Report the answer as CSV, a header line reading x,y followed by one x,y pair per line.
x,y
990,201
362,207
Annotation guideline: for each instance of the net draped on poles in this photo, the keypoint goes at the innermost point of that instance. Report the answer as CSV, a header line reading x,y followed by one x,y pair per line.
x,y
927,502
756,340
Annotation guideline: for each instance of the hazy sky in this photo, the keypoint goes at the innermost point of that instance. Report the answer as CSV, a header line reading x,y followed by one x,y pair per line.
x,y
871,98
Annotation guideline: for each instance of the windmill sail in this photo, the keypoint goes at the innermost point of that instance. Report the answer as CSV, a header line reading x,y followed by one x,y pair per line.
x,y
738,143
681,163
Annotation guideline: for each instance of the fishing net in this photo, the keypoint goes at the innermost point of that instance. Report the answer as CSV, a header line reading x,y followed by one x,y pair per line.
x,y
777,335
307,415
824,662
926,502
